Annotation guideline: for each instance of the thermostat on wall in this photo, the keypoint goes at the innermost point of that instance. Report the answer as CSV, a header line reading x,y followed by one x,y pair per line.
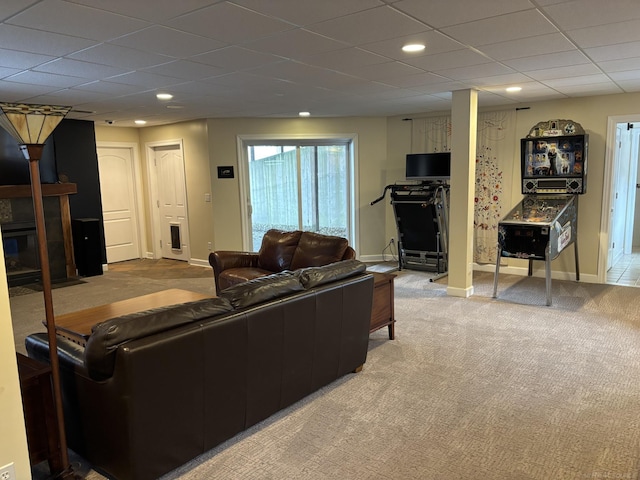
x,y
225,172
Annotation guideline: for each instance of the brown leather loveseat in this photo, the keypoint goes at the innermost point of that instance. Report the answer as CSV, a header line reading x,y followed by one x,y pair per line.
x,y
279,251
152,390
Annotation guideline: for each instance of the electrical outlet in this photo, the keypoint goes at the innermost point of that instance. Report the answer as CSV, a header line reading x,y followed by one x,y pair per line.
x,y
393,240
209,246
8,472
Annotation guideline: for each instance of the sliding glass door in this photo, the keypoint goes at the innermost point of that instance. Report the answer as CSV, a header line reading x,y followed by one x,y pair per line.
x,y
299,186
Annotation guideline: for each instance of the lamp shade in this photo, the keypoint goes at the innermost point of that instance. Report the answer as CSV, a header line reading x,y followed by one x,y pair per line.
x,y
31,124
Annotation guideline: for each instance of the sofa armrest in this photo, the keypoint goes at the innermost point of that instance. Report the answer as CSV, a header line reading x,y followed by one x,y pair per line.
x,y
70,354
222,260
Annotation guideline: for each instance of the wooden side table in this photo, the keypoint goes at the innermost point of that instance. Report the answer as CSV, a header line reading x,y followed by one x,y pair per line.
x,y
39,413
382,312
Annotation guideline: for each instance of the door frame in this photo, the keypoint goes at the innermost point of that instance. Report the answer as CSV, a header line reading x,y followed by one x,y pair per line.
x,y
152,181
138,187
609,166
242,142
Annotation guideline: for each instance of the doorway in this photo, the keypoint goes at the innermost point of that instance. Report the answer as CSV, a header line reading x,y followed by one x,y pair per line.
x,y
119,188
168,192
620,202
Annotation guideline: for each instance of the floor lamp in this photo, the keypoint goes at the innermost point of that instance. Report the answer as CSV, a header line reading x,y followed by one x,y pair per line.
x,y
31,125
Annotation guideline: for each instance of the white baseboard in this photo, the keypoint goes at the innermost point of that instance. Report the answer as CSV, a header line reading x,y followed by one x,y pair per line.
x,y
198,262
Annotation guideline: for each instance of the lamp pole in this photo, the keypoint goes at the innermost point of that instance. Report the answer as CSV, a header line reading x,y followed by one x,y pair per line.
x,y
33,153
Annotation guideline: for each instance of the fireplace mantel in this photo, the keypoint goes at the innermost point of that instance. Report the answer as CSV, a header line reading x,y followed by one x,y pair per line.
x,y
48,190
62,191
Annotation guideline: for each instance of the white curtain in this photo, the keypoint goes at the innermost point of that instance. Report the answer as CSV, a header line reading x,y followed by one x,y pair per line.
x,y
495,160
430,135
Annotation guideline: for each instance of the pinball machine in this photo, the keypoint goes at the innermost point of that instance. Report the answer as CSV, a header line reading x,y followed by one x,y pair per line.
x,y
553,173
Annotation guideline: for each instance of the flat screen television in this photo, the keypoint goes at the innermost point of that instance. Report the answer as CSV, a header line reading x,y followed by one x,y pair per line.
x,y
428,166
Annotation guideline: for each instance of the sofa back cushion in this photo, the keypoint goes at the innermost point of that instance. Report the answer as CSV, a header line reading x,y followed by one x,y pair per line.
x,y
313,276
277,249
262,289
315,249
106,337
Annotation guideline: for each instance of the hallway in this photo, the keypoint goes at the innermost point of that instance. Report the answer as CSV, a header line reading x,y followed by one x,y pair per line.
x,y
626,271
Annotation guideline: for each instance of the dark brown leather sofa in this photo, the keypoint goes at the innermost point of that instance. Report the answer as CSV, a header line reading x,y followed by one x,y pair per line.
x,y
279,251
153,390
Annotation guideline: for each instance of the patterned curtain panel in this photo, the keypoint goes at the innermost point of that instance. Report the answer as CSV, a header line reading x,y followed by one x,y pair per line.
x,y
495,162
430,135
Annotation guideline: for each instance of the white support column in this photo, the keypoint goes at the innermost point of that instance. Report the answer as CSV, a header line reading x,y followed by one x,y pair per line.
x,y
464,127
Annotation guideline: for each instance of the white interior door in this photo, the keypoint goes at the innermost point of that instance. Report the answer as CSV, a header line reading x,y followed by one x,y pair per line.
x,y
619,193
172,202
117,187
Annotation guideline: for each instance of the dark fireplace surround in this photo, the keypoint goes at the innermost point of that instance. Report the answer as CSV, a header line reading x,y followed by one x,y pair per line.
x,y
19,233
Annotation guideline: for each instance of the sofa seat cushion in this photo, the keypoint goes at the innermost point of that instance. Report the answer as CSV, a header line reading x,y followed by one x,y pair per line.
x,y
262,289
315,249
234,276
106,337
277,250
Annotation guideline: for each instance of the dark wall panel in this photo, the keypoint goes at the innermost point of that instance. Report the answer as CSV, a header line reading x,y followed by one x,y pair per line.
x,y
77,160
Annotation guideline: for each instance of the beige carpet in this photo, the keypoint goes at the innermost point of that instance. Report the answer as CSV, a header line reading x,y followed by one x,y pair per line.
x,y
473,388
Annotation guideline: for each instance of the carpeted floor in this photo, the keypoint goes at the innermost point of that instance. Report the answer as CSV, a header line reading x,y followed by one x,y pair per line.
x,y
475,388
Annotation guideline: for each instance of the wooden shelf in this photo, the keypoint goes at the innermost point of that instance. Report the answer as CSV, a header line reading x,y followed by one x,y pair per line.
x,y
48,190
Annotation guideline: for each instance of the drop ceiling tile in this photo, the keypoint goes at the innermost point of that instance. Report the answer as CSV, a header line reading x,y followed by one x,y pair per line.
x,y
626,75
344,59
186,70
312,11
610,34
621,65
590,13
604,88
613,52
76,20
381,71
473,71
110,88
6,72
122,57
304,74
22,60
144,79
46,79
529,23
410,81
236,58
545,74
528,47
36,41
156,10
168,41
295,44
501,81
11,7
76,68
442,13
229,23
443,61
576,81
434,41
369,26
550,60
630,85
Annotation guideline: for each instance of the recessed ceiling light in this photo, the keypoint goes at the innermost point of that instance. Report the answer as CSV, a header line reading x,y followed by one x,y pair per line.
x,y
164,96
514,89
413,47
140,122
304,114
